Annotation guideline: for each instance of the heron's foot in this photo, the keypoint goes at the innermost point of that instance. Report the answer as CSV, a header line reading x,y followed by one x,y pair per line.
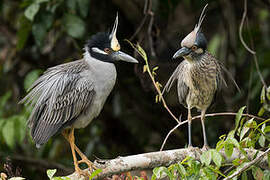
x,y
79,171
190,147
205,147
90,165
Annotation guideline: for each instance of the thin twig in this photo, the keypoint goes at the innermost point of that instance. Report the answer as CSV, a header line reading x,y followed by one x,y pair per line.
x,y
241,28
247,165
207,115
142,22
150,27
255,58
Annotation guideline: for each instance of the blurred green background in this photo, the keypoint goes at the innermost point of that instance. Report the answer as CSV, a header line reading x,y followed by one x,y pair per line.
x,y
38,34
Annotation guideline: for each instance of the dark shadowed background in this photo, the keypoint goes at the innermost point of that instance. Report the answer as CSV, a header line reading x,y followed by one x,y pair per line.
x,y
38,34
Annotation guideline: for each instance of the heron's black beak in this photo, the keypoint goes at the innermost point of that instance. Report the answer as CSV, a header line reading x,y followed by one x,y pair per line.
x,y
121,56
182,52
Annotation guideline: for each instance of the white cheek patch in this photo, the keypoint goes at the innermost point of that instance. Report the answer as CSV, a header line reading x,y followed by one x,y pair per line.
x,y
97,50
199,51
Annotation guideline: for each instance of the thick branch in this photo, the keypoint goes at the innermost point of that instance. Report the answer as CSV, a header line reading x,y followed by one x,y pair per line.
x,y
162,158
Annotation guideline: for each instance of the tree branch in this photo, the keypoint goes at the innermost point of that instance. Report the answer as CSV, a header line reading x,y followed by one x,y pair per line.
x,y
248,165
163,158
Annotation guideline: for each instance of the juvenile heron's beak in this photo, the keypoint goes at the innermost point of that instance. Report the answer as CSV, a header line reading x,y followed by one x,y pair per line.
x,y
121,56
182,52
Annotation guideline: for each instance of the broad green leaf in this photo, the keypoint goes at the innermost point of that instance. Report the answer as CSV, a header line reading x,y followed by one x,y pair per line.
x,y
245,128
95,173
71,4
23,32
214,44
267,129
30,78
46,18
244,176
238,117
181,169
161,172
257,173
233,141
206,158
9,133
39,33
3,100
217,158
220,145
31,11
83,7
266,174
209,174
50,173
17,178
228,149
74,25
20,128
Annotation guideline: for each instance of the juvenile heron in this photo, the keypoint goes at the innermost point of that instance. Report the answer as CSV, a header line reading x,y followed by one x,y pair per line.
x,y
199,76
71,95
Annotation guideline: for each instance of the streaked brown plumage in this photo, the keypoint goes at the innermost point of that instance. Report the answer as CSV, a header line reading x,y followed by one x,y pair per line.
x,y
199,76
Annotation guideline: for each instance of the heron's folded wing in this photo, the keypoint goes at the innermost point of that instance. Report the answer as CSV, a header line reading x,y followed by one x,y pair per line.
x,y
59,96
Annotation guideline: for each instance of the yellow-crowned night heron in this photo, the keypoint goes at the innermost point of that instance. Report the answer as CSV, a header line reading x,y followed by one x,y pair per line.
x,y
71,95
199,75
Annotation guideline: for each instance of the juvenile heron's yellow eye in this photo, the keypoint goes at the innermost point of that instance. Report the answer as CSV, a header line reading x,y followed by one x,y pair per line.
x,y
194,47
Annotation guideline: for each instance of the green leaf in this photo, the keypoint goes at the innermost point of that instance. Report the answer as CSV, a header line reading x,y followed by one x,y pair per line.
x,y
74,26
161,172
50,173
262,137
9,133
217,158
45,18
95,173
39,33
83,7
141,51
238,117
71,4
245,128
31,11
23,32
266,174
220,145
181,169
30,78
206,158
20,128
257,172
244,176
228,149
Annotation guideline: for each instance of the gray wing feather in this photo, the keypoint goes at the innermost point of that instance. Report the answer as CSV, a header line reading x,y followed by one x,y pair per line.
x,y
182,88
59,96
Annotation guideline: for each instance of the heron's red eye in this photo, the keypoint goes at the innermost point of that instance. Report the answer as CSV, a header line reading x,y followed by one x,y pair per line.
x,y
107,50
194,47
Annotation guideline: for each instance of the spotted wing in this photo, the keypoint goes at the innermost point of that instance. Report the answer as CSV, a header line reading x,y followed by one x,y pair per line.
x,y
59,96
